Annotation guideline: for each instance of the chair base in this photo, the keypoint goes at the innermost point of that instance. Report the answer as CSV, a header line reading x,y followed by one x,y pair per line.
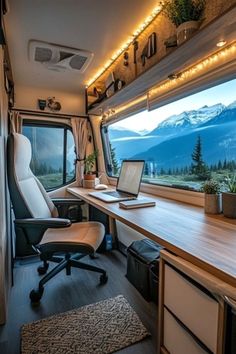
x,y
63,263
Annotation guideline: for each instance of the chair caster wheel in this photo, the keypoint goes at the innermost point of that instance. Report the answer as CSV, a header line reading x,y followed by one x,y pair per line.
x,y
103,279
42,270
35,295
93,256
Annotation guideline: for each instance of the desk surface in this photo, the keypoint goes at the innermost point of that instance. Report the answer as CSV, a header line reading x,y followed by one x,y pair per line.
x,y
206,241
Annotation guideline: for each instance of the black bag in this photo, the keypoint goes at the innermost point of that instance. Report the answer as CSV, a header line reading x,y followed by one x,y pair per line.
x,y
140,256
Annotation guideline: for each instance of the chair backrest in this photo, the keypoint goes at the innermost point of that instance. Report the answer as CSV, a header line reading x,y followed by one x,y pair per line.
x,y
28,196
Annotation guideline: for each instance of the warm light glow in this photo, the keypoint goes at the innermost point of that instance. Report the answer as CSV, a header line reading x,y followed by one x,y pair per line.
x,y
114,111
196,70
221,43
125,45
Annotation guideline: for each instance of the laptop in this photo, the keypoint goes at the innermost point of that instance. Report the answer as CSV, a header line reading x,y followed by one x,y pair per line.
x,y
128,183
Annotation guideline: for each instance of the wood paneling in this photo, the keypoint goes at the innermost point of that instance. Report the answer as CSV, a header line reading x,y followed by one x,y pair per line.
x,y
206,241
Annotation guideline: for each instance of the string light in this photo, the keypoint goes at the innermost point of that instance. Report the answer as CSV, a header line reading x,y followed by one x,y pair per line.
x,y
119,109
174,80
206,64
123,47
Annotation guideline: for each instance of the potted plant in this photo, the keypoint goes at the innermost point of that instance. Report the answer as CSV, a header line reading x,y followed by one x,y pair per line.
x,y
185,15
211,189
89,176
229,197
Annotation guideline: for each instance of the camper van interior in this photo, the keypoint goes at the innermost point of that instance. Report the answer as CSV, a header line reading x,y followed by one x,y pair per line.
x,y
112,97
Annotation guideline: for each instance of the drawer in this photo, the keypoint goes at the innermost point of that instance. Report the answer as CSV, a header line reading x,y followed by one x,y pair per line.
x,y
195,308
177,340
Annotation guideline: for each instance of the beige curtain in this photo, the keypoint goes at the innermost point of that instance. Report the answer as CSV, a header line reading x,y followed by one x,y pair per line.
x,y
15,122
80,133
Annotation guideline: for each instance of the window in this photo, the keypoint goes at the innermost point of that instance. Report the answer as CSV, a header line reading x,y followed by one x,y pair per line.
x,y
53,153
183,143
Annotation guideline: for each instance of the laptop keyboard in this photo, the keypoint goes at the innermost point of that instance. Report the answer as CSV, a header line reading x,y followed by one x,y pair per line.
x,y
116,194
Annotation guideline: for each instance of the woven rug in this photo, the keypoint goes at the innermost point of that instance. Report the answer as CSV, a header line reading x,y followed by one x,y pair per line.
x,y
103,327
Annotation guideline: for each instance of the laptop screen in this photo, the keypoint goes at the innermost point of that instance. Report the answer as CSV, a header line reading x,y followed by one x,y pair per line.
x,y
130,176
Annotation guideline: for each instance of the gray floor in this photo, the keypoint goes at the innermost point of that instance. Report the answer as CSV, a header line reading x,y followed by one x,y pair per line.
x,y
65,293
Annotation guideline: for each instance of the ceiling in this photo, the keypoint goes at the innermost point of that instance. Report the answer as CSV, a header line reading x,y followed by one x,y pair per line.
x,y
99,26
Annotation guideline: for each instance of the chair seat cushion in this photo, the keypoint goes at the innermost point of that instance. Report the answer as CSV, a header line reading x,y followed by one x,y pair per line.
x,y
84,233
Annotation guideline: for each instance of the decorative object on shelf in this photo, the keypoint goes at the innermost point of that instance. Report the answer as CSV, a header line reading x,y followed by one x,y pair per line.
x,y
42,104
135,47
213,203
170,43
150,48
126,58
89,176
53,105
229,197
185,15
118,84
110,85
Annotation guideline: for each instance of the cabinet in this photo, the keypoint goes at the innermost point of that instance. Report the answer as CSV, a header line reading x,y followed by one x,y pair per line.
x,y
191,309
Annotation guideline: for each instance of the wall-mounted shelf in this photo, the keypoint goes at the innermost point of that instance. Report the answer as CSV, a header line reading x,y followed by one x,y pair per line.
x,y
202,44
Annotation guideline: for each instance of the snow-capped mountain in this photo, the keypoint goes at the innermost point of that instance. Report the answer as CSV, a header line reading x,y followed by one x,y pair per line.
x,y
189,119
116,132
232,105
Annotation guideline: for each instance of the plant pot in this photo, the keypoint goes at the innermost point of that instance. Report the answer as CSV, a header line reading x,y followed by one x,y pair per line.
x,y
186,30
213,203
89,181
89,177
229,204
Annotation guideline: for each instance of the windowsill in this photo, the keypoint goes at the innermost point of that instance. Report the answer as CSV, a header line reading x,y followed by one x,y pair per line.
x,y
181,195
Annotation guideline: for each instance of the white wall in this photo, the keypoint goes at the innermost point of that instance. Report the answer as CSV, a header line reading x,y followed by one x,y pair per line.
x,y
27,98
5,258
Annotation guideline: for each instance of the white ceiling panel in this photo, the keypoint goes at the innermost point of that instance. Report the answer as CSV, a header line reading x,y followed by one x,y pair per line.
x,y
99,26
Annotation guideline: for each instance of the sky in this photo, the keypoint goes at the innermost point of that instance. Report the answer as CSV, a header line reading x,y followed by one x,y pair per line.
x,y
224,93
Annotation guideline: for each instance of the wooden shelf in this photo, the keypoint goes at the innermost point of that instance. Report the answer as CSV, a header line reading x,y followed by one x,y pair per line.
x,y
202,44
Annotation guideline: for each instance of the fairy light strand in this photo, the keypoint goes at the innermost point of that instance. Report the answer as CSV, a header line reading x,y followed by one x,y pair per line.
x,y
125,46
206,64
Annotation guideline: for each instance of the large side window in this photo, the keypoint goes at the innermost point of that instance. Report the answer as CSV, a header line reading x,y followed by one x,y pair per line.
x,y
53,153
183,143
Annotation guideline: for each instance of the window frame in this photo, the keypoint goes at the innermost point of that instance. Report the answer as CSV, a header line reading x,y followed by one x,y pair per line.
x,y
48,124
147,186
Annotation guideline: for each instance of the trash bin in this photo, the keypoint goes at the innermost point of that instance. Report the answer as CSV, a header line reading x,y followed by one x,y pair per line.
x,y
140,256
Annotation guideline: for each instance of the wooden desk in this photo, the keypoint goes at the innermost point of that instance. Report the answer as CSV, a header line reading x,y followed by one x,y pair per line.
x,y
206,241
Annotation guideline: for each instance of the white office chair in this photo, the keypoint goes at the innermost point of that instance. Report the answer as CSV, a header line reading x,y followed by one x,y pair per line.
x,y
37,219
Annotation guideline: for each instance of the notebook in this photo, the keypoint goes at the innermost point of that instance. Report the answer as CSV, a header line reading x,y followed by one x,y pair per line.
x,y
128,183
137,203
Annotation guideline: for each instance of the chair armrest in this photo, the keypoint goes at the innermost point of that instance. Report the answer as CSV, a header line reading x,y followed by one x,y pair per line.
x,y
44,223
65,201
34,229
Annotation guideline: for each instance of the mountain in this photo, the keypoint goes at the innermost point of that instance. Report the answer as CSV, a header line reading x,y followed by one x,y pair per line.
x,y
119,132
177,124
175,127
226,116
218,143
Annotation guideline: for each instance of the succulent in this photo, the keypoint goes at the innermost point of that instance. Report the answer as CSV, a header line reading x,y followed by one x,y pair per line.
x,y
230,183
180,11
211,187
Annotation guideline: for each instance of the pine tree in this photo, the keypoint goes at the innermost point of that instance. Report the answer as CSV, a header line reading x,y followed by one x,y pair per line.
x,y
115,167
146,169
199,167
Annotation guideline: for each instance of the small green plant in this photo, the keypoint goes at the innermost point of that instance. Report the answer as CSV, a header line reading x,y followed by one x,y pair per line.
x,y
211,187
230,183
89,162
180,11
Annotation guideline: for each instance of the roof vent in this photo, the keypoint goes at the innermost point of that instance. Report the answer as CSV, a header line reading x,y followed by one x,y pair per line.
x,y
58,58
